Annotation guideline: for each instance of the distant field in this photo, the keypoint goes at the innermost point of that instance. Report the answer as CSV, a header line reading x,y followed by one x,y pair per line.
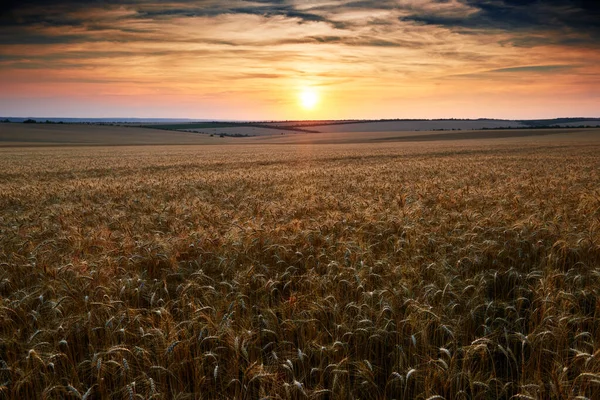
x,y
278,128
214,127
387,126
513,136
564,122
446,269
16,134
494,134
593,123
19,134
244,130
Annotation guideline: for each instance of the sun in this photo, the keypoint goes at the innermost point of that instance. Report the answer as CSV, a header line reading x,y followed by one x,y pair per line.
x,y
309,98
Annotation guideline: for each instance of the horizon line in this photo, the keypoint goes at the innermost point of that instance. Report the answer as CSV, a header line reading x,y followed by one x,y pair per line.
x,y
184,119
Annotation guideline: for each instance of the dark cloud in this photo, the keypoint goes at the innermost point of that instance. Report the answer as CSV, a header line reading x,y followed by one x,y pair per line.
x,y
23,13
32,21
563,21
521,72
358,41
530,22
28,37
535,69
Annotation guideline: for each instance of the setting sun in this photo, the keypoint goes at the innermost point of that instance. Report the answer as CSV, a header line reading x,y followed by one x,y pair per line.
x,y
309,99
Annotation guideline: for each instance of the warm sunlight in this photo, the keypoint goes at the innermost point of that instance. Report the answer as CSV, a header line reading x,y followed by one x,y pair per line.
x,y
309,98
293,59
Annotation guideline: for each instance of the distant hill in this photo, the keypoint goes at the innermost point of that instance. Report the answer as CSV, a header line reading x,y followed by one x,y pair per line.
x,y
35,134
269,128
100,120
562,122
92,134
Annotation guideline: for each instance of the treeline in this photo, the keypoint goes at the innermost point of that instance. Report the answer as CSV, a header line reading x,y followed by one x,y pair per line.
x,y
33,121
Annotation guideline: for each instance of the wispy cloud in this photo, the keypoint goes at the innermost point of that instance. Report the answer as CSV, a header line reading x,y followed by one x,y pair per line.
x,y
544,69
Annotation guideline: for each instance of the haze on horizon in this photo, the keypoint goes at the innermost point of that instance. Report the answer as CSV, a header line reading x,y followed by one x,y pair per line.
x,y
292,59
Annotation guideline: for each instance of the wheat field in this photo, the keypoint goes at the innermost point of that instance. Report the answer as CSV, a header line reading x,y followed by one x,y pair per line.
x,y
353,271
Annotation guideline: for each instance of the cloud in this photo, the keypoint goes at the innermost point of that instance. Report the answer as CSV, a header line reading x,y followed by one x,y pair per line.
x,y
533,23
65,13
535,69
235,50
560,21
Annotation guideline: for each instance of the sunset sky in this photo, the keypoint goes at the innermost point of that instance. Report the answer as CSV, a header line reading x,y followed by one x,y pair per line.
x,y
293,59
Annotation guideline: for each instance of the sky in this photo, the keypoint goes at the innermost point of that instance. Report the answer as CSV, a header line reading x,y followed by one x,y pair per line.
x,y
300,59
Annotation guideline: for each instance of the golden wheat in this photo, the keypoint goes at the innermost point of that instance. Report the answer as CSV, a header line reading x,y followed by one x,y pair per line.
x,y
292,272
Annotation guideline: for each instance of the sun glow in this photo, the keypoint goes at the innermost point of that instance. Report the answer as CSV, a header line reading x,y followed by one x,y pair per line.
x,y
309,99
